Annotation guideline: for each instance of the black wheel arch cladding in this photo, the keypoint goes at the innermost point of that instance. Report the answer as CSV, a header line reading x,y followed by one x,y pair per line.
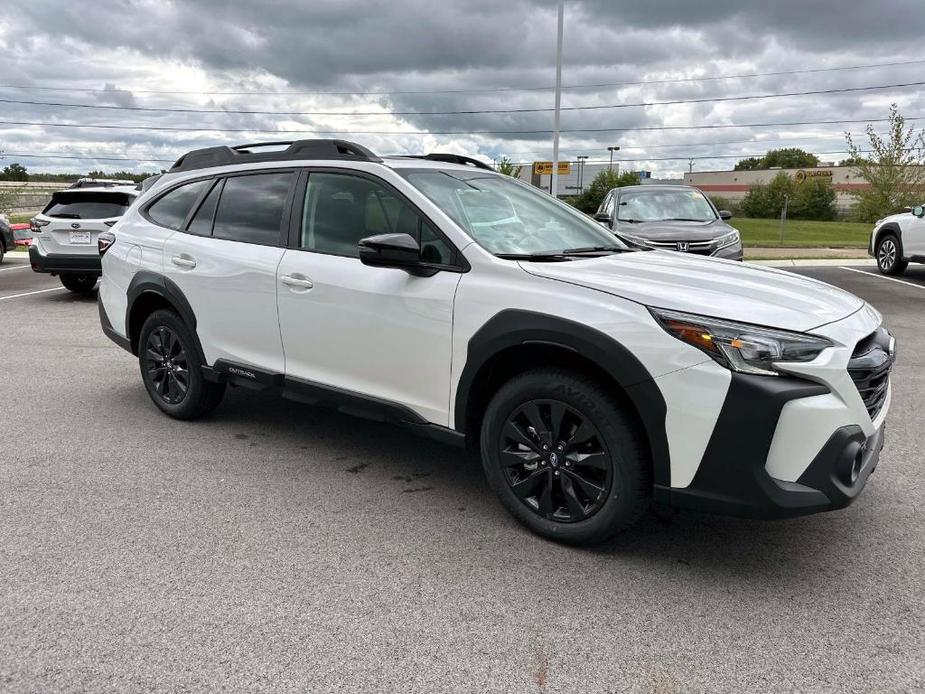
x,y
148,283
513,328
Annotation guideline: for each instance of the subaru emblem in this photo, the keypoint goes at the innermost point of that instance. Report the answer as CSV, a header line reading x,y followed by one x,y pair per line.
x,y
75,225
683,246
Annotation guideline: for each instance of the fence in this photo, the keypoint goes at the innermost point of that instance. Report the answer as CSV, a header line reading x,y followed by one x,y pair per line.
x,y
17,197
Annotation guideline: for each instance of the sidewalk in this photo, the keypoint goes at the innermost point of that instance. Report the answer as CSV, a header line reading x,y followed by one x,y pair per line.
x,y
776,252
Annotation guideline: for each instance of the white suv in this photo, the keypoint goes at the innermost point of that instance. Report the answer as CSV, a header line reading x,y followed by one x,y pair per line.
x,y
64,234
898,240
472,308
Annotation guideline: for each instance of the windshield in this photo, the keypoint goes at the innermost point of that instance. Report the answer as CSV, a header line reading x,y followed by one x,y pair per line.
x,y
507,217
661,205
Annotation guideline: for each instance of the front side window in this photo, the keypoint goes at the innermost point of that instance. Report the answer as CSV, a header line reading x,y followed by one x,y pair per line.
x,y
341,209
171,209
251,208
508,217
664,205
73,205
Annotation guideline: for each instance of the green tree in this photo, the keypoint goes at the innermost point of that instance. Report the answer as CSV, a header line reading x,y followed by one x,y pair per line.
x,y
605,181
790,158
893,168
508,168
813,198
786,158
14,172
749,164
767,200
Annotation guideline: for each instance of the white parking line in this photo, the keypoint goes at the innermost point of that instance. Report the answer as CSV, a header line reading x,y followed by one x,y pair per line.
x,y
884,277
20,267
40,291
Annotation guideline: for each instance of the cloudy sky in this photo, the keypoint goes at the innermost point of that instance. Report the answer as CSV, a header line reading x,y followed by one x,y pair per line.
x,y
385,74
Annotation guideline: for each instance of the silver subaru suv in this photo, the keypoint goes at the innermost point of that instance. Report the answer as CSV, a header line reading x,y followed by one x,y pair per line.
x,y
65,233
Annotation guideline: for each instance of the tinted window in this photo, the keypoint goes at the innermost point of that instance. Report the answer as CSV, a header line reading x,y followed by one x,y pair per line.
x,y
201,223
88,205
171,210
251,208
342,209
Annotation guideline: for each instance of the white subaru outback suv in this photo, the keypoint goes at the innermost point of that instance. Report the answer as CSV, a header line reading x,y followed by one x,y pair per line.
x,y
64,234
472,308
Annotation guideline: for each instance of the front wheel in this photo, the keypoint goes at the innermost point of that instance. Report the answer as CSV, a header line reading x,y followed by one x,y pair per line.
x,y
889,260
171,370
565,456
79,282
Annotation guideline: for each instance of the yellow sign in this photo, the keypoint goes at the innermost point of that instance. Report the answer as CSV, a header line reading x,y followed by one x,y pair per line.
x,y
544,168
803,174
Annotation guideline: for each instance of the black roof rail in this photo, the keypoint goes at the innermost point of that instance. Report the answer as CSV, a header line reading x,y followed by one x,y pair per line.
x,y
295,149
452,159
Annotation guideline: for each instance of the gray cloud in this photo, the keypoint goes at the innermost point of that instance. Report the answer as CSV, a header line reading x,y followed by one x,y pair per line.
x,y
128,47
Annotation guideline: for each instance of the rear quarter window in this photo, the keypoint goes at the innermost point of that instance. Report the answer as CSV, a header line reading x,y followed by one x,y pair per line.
x,y
74,205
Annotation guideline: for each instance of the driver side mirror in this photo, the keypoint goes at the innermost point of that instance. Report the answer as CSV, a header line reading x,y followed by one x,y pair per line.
x,y
393,250
918,211
603,218
725,214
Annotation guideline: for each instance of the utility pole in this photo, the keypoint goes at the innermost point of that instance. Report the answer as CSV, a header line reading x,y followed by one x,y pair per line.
x,y
554,186
581,170
690,166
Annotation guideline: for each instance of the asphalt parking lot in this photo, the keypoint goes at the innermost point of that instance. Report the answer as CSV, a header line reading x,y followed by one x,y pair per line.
x,y
277,547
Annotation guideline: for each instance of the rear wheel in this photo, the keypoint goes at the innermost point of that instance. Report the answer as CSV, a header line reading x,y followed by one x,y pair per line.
x,y
171,369
79,282
565,457
889,259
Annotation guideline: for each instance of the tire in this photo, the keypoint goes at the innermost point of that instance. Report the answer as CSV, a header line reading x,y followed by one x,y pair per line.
x,y
168,357
614,461
2,250
889,259
79,282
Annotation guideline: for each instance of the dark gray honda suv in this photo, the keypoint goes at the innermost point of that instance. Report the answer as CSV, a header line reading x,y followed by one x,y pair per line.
x,y
675,218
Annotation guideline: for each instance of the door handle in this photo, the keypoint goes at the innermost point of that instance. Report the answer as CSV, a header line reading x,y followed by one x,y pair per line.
x,y
297,281
183,260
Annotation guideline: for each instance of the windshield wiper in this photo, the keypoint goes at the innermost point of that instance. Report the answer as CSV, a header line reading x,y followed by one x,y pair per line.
x,y
631,221
684,219
593,249
553,257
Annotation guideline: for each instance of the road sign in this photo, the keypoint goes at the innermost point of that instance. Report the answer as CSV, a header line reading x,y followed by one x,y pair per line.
x,y
544,168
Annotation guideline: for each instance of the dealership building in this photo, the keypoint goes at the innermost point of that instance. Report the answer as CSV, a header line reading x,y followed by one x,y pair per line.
x,y
733,185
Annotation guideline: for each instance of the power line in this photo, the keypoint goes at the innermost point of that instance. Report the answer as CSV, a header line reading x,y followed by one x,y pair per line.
x,y
83,157
485,90
467,112
313,131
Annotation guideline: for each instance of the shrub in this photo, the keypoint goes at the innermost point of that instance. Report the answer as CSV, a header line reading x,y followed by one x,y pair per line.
x,y
603,183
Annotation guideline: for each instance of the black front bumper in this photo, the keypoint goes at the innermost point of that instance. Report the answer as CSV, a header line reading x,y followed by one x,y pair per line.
x,y
732,479
60,262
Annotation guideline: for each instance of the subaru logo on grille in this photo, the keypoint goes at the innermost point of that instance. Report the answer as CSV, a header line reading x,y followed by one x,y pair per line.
x,y
75,225
683,246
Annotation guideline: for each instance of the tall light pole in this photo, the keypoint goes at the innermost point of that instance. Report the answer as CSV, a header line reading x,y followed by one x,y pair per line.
x,y
612,150
554,186
581,169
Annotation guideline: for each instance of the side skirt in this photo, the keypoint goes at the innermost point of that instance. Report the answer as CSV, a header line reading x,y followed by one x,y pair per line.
x,y
345,401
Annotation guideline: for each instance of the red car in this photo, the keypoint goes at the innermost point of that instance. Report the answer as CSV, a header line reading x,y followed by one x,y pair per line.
x,y
22,234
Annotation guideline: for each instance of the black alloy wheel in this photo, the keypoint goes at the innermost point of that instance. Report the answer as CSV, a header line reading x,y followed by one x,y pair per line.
x,y
555,461
167,365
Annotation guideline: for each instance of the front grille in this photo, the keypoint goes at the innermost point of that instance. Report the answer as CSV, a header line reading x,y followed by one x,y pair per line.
x,y
870,367
697,247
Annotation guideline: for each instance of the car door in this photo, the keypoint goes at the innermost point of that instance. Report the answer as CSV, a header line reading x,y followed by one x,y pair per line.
x,y
224,260
914,235
381,333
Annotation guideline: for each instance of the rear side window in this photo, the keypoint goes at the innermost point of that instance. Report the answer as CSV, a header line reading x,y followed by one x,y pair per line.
x,y
251,208
201,223
172,209
73,205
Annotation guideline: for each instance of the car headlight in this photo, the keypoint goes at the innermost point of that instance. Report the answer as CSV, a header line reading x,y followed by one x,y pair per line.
x,y
741,347
728,239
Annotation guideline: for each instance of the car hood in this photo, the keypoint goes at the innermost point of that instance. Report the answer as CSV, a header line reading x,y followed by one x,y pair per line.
x,y
708,286
675,231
